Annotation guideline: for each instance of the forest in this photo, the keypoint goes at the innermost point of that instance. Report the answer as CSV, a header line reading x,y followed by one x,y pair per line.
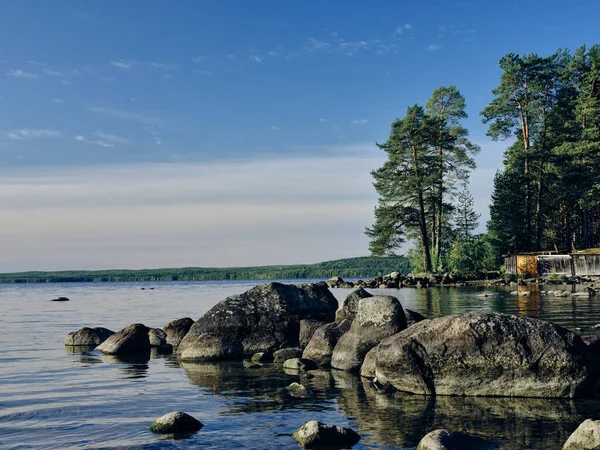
x,y
547,109
360,267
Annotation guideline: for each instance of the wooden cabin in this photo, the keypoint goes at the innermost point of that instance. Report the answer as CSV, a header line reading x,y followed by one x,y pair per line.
x,y
581,263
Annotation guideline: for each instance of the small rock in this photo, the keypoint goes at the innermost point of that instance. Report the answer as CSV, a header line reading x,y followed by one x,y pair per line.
x,y
320,348
286,353
300,364
315,433
175,422
449,440
297,390
307,329
262,357
585,437
60,299
251,365
88,336
177,329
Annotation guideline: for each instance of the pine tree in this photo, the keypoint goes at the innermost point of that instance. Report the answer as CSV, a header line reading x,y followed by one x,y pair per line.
x,y
465,217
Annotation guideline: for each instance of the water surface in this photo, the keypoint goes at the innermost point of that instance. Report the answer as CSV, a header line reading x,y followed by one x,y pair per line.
x,y
53,398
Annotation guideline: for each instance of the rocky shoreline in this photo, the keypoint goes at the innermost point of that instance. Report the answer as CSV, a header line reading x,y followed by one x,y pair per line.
x,y
302,328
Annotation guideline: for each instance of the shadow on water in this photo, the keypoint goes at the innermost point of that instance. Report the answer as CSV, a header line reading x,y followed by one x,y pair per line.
x,y
135,366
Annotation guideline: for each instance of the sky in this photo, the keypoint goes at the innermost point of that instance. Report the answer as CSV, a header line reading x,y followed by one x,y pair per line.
x,y
145,134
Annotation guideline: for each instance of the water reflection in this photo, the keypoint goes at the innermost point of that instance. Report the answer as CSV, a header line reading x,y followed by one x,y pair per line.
x,y
135,365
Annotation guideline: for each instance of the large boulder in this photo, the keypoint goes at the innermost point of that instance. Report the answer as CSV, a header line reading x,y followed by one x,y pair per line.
x,y
317,434
284,354
486,354
88,336
377,318
412,317
349,305
132,339
176,330
307,329
320,348
451,440
157,337
265,318
585,437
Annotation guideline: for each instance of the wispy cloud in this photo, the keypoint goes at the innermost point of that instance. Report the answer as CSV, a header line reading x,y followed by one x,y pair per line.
x,y
17,73
112,138
52,73
57,100
340,45
122,64
109,79
359,121
198,59
275,128
206,73
36,63
82,15
126,115
408,26
433,47
81,138
163,66
322,120
256,59
29,133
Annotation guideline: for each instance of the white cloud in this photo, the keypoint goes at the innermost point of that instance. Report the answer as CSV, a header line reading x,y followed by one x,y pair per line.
x,y
112,138
256,59
164,66
57,100
322,120
433,47
29,133
158,142
126,115
122,64
53,73
17,73
81,138
275,128
198,59
359,121
408,26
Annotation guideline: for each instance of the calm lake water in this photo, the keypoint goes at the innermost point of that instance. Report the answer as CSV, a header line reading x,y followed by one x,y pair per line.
x,y
52,398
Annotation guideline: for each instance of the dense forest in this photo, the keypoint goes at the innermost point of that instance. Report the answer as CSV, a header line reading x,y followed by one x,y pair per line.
x,y
360,267
546,196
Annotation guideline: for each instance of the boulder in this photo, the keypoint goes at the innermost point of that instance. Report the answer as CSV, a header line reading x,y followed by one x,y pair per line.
x,y
88,336
262,357
485,353
315,434
60,299
377,318
350,304
284,354
212,348
265,318
251,364
174,423
307,329
176,330
132,339
297,390
367,370
157,337
585,437
450,440
302,364
320,348
412,317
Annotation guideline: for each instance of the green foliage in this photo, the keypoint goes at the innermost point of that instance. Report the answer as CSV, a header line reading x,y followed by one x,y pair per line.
x,y
465,217
468,258
366,266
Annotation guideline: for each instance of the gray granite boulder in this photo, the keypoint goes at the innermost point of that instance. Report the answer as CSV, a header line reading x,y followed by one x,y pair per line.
x,y
377,318
157,337
175,423
450,440
349,305
284,354
132,339
265,318
585,437
412,317
320,348
317,434
88,336
176,330
307,329
485,353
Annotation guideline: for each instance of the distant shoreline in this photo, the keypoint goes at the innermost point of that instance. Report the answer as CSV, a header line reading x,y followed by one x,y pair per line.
x,y
359,267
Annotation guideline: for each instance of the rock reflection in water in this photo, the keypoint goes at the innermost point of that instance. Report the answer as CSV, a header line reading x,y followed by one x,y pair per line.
x,y
135,365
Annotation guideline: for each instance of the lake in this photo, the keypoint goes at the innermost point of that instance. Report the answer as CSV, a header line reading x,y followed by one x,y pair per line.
x,y
52,398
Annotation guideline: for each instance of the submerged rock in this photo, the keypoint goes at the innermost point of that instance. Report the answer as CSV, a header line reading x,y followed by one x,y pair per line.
x,y
315,434
486,354
176,330
284,354
307,329
265,318
450,440
300,364
131,339
585,437
297,390
175,422
377,318
88,336
262,357
320,348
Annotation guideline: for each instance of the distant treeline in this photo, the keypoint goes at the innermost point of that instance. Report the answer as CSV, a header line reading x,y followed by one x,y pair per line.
x,y
361,267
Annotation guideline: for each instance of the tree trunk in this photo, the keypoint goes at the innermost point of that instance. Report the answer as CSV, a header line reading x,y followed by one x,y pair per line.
x,y
422,216
538,209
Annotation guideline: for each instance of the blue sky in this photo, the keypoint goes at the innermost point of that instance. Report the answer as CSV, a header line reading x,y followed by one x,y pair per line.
x,y
110,106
